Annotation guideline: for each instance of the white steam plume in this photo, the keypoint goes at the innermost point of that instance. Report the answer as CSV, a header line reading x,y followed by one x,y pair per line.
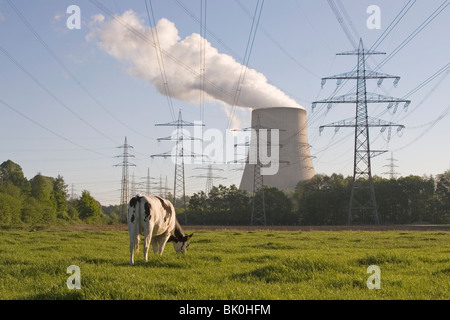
x,y
129,40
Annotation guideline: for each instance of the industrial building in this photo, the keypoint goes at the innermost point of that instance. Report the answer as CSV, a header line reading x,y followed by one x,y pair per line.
x,y
295,160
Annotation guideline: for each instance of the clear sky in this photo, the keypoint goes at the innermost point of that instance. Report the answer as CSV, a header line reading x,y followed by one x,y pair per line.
x,y
70,96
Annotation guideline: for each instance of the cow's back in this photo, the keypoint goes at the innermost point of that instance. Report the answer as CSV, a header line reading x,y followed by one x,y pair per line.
x,y
161,215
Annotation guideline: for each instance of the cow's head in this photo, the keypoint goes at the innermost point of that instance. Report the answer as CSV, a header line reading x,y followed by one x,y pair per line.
x,y
181,244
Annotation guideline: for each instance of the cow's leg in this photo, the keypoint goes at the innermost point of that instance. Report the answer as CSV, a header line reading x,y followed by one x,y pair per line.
x,y
147,239
136,248
132,248
155,245
162,242
133,230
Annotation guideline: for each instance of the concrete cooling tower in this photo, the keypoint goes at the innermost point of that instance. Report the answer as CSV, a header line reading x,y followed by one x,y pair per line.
x,y
295,160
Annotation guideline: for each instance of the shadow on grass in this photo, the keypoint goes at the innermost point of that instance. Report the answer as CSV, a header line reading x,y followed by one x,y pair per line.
x,y
69,295
159,262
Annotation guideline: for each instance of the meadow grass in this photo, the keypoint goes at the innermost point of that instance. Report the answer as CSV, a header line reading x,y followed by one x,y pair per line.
x,y
228,265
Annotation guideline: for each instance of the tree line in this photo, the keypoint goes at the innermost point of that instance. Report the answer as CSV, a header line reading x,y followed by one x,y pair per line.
x,y
322,200
44,200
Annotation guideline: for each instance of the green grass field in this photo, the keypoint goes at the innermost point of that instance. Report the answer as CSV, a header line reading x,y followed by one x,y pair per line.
x,y
227,265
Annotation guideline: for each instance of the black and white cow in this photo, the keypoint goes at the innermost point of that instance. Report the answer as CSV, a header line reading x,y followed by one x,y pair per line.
x,y
155,218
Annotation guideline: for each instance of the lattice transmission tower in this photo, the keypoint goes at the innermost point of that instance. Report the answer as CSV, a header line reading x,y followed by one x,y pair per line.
x,y
258,202
147,184
125,183
362,198
209,177
392,173
179,184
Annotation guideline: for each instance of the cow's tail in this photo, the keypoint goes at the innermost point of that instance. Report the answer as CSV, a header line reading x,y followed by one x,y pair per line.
x,y
134,212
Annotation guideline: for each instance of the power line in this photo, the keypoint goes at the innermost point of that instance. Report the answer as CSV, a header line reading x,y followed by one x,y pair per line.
x,y
380,39
66,69
306,18
393,24
248,52
202,57
428,80
347,17
179,185
391,167
342,23
142,36
432,123
125,184
362,198
444,114
209,31
277,44
445,69
51,94
50,130
413,34
209,177
160,58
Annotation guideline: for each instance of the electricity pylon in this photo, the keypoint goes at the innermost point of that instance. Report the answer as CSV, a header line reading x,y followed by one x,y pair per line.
x,y
391,167
148,182
258,204
124,191
209,177
163,190
362,198
179,185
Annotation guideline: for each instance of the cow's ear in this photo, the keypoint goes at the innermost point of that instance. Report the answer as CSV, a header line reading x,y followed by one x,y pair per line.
x,y
190,236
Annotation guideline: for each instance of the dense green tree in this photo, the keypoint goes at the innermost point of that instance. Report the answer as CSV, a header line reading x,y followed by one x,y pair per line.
x,y
223,205
42,192
323,200
238,203
37,212
10,209
11,174
404,200
442,198
72,209
42,200
278,207
113,212
88,207
61,195
198,209
42,188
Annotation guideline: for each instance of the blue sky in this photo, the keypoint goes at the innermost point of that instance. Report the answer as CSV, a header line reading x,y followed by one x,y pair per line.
x,y
72,123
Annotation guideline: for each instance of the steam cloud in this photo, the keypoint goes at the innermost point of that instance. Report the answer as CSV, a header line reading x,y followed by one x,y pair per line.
x,y
182,63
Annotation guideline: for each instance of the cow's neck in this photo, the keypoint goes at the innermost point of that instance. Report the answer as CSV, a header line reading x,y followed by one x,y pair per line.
x,y
177,233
